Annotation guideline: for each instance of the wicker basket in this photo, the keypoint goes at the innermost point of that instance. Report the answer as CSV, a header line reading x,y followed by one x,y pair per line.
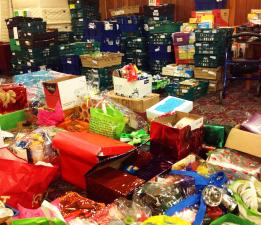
x,y
135,9
106,60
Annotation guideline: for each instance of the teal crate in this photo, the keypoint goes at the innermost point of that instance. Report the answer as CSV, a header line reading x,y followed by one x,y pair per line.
x,y
190,94
164,27
211,61
209,48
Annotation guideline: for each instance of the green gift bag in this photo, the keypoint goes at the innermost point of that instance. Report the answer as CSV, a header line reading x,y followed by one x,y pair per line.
x,y
216,135
108,121
231,218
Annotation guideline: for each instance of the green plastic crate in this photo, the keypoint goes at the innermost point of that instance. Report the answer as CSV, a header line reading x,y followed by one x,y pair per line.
x,y
9,121
209,48
190,94
15,45
211,61
164,27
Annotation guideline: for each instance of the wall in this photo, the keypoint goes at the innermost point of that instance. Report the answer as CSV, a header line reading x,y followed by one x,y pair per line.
x,y
238,8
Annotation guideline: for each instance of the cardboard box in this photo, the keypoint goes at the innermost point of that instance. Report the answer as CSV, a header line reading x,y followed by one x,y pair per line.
x,y
81,152
244,141
208,73
65,90
136,105
169,105
154,2
133,89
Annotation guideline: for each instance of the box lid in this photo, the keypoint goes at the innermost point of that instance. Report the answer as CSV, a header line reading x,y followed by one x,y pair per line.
x,y
244,141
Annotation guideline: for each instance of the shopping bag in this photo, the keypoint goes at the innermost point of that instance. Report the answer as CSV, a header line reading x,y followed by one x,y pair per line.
x,y
23,183
108,121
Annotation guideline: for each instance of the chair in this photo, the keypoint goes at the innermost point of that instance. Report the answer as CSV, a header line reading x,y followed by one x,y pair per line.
x,y
230,61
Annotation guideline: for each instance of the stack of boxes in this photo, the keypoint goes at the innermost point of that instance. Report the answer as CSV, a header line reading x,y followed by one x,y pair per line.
x,y
133,42
82,11
159,26
209,55
32,45
184,47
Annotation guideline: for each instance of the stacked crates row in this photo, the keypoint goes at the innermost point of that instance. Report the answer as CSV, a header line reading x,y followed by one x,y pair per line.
x,y
133,42
82,12
32,45
209,57
105,34
100,78
159,26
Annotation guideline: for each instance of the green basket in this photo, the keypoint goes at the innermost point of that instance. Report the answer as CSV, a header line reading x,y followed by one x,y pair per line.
x,y
231,218
110,124
10,120
211,61
209,48
210,35
161,39
164,27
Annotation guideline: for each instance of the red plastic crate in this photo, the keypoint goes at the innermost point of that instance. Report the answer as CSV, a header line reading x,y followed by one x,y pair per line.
x,y
5,58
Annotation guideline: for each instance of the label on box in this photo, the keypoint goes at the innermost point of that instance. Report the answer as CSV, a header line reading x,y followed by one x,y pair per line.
x,y
155,13
169,48
15,33
81,19
94,61
69,61
72,6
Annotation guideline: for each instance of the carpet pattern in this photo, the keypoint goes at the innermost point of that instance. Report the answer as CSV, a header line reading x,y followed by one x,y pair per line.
x,y
234,109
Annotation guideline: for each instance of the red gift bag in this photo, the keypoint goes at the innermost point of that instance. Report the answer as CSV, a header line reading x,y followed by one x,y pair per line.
x,y
21,182
13,97
169,143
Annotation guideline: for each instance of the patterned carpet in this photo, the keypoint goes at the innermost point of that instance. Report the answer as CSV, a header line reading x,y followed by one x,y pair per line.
x,y
234,109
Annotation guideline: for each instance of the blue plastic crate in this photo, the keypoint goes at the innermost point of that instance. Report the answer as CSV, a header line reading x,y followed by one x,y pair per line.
x,y
130,23
111,45
210,4
160,52
71,64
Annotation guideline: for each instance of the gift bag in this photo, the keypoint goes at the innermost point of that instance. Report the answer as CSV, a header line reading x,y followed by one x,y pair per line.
x,y
107,121
23,183
168,142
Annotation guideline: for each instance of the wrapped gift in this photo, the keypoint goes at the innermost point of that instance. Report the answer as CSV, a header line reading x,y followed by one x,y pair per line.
x,y
235,164
74,205
12,97
82,151
171,135
108,184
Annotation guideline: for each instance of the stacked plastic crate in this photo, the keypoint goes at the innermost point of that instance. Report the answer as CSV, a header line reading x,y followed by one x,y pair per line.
x,y
32,45
159,24
101,36
133,42
82,12
210,48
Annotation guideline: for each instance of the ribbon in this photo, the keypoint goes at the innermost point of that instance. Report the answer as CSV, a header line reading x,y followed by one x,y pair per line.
x,y
217,179
7,97
136,137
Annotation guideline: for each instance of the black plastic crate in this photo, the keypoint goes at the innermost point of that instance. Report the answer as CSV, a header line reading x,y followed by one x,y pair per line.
x,y
160,11
211,61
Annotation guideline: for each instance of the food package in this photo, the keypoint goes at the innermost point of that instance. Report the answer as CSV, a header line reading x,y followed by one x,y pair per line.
x,y
160,193
35,146
123,211
13,97
235,164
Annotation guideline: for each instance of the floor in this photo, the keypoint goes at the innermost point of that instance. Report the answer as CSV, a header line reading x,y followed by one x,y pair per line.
x,y
234,109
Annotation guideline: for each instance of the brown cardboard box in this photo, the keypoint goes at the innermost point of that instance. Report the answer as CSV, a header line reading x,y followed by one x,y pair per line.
x,y
215,86
208,73
244,141
136,105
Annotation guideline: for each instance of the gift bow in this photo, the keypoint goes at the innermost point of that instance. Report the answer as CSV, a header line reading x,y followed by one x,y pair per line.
x,y
7,97
217,179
